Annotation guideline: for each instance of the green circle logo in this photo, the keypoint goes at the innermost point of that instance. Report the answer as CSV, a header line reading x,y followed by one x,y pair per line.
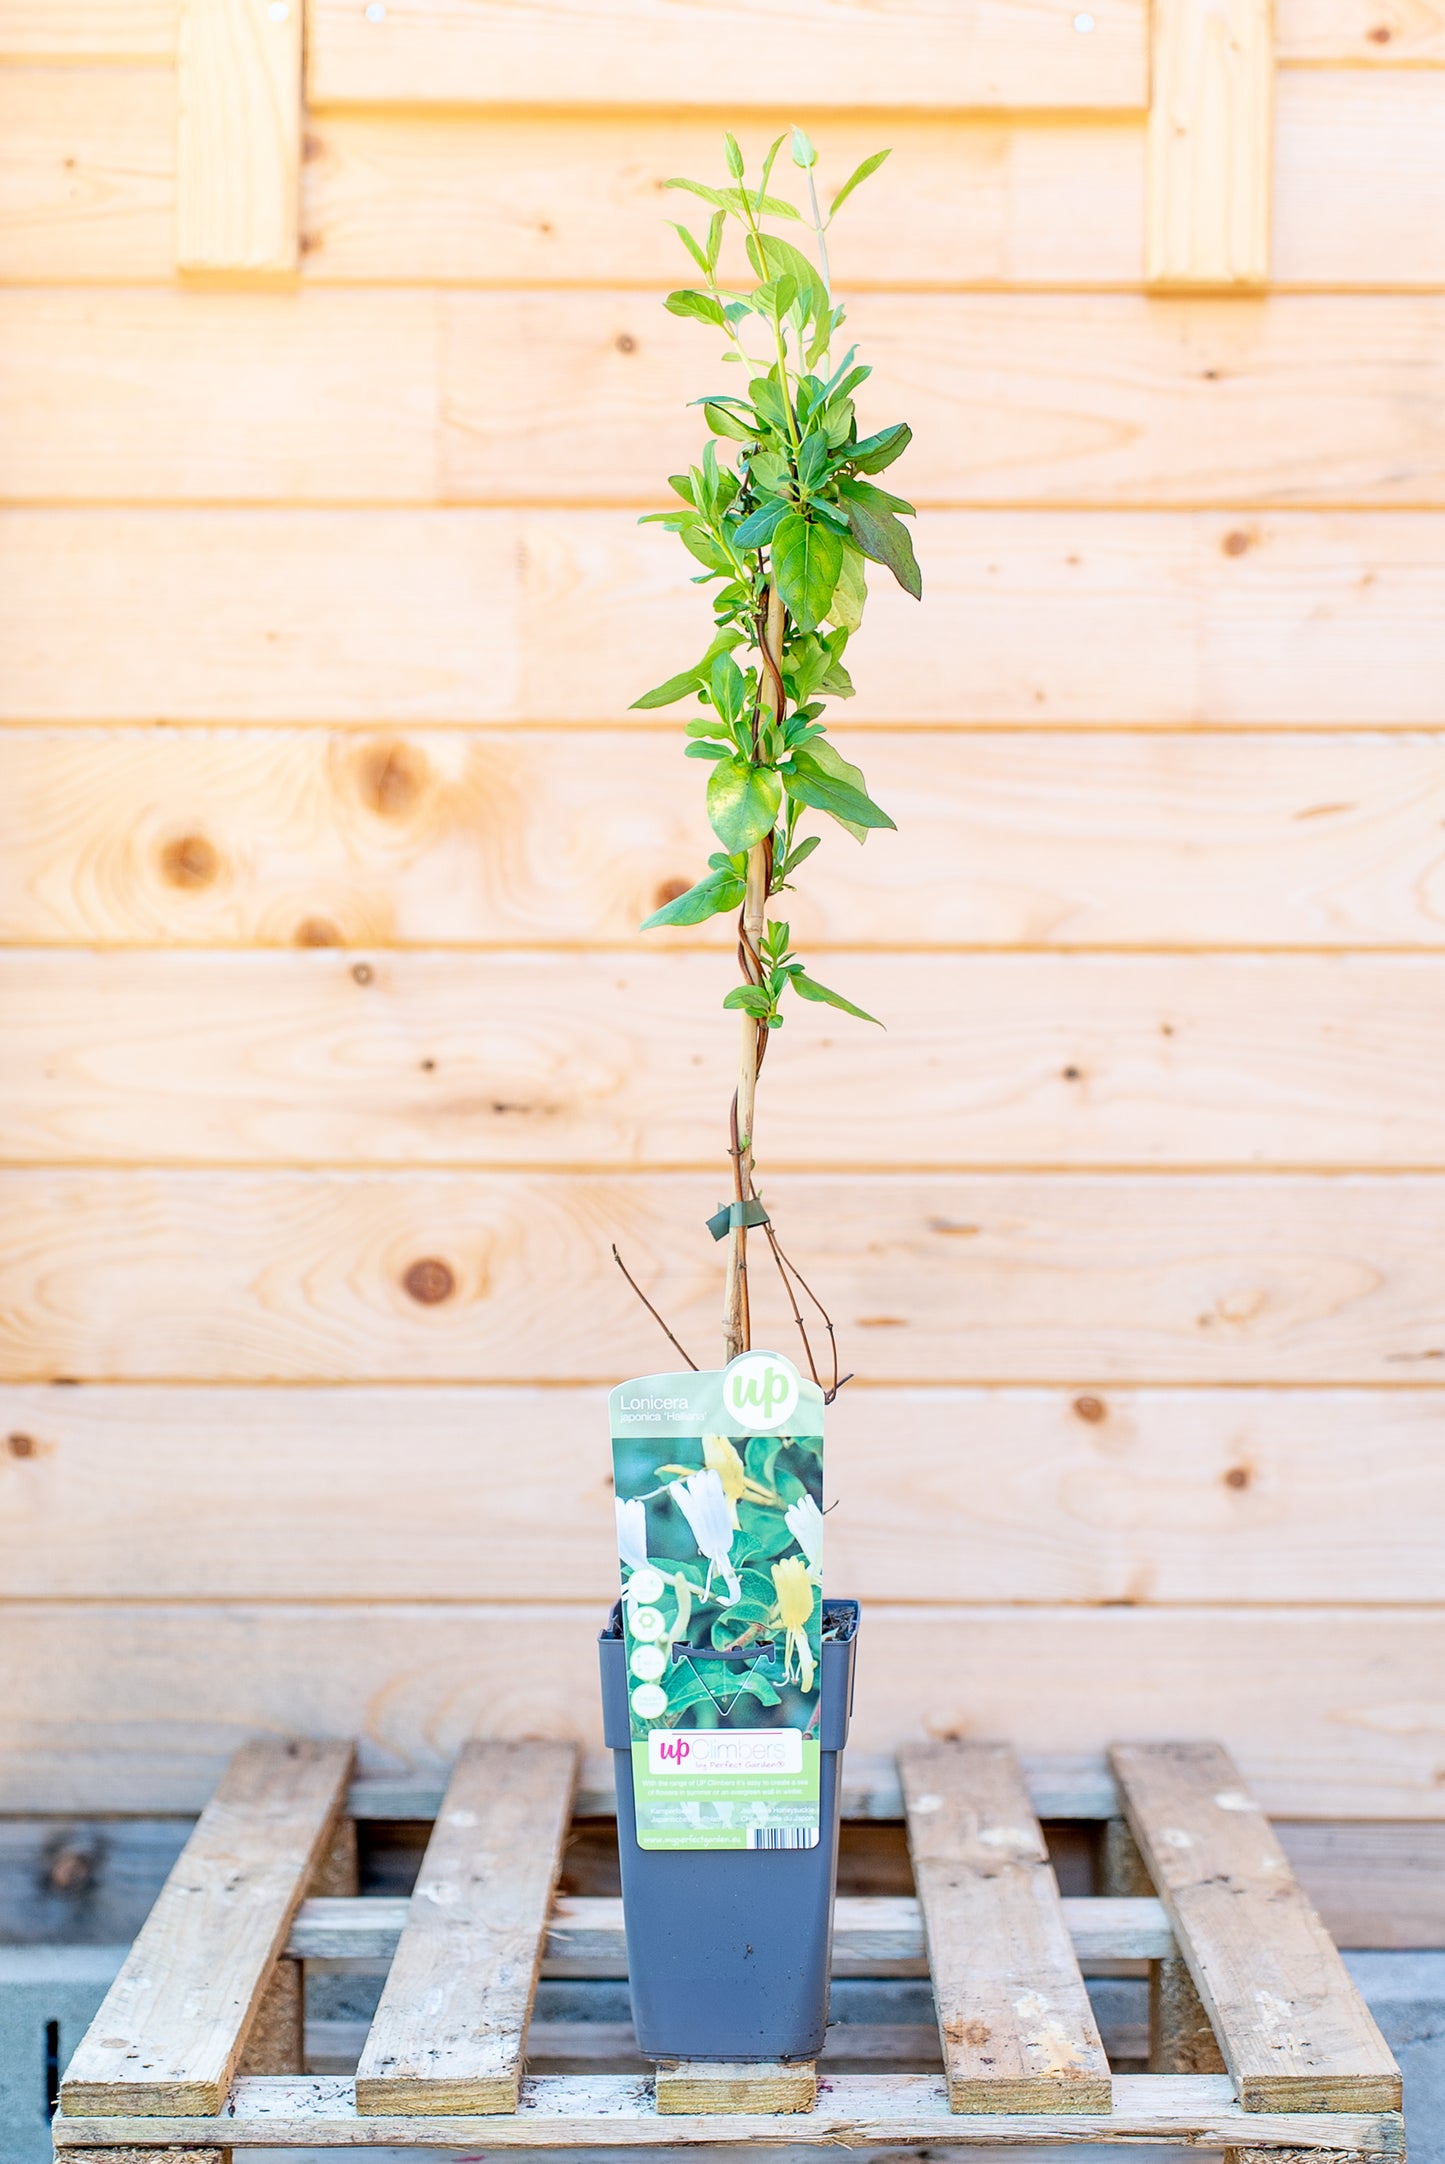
x,y
761,1391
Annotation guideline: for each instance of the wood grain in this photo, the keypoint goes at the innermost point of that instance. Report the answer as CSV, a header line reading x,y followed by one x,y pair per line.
x,y
1211,145
238,138
715,2086
450,2029
1294,2031
1014,2020
87,177
87,190
255,837
137,395
1334,33
1145,1497
88,30
566,2112
307,1058
1294,619
914,53
174,2023
215,1276
1331,1712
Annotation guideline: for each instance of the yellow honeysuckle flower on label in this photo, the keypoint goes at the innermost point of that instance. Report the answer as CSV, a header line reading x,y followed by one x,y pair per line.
x,y
722,1456
794,1590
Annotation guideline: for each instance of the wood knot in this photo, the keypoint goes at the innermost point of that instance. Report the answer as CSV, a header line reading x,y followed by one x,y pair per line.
x,y
1380,35
189,862
317,932
430,1281
1091,1409
668,890
362,972
20,1446
392,777
1235,543
626,343
1237,1477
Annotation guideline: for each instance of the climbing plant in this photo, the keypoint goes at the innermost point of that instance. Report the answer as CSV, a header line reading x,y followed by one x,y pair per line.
x,y
783,514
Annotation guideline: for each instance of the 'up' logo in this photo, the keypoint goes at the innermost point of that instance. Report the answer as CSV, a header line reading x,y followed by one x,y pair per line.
x,y
760,1391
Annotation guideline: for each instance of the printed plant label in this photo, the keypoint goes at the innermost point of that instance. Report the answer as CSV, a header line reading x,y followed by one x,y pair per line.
x,y
719,1484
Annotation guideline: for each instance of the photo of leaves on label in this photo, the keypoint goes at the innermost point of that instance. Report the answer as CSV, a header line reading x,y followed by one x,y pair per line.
x,y
718,1480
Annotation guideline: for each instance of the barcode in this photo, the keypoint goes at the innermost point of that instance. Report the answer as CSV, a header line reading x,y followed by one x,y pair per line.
x,y
782,1837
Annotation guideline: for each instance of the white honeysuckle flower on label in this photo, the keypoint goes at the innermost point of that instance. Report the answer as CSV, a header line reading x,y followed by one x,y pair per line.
x,y
632,1532
703,1502
805,1522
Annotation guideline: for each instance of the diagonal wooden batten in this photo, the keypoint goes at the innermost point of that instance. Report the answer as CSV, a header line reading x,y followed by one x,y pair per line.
x,y
1294,2031
171,2029
1014,2018
449,2032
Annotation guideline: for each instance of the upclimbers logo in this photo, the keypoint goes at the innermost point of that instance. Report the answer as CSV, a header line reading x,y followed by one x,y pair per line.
x,y
726,1750
761,1392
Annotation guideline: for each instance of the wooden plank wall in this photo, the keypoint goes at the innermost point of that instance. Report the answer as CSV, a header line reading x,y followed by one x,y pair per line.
x,y
332,1061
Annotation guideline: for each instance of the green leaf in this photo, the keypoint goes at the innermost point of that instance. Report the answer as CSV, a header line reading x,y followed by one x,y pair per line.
x,y
695,187
716,896
773,148
687,680
724,423
809,988
856,179
708,751
734,156
822,778
804,154
750,999
693,247
758,528
881,536
800,854
876,452
742,802
813,461
806,563
850,593
701,305
714,238
729,688
774,258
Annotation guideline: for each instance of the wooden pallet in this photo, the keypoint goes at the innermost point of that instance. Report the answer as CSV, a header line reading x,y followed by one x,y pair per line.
x,y
1260,2043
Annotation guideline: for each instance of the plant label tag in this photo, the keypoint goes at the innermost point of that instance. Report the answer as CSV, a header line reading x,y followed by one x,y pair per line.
x,y
719,1486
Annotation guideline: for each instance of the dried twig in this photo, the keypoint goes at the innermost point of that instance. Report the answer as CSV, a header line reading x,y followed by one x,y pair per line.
x,y
652,1311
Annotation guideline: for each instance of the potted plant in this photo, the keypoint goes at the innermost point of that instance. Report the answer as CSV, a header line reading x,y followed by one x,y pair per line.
x,y
727,1678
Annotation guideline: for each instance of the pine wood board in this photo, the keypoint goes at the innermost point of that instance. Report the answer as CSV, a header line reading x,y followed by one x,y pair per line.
x,y
1211,146
238,139
71,30
312,1058
144,395
1292,619
450,2029
1293,2029
204,837
1348,33
1087,1496
1331,1712
1077,1278
756,2087
643,52
1015,2025
396,196
87,176
174,2024
873,1935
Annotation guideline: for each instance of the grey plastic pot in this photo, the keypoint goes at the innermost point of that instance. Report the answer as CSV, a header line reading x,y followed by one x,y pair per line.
x,y
728,1951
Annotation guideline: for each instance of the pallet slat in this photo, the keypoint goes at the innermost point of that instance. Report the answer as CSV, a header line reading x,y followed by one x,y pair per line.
x,y
449,2032
173,2025
1293,2029
859,2110
873,1935
1014,2019
238,138
1211,145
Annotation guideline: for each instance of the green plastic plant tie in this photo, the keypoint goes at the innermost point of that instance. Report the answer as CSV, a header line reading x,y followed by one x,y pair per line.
x,y
732,1215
